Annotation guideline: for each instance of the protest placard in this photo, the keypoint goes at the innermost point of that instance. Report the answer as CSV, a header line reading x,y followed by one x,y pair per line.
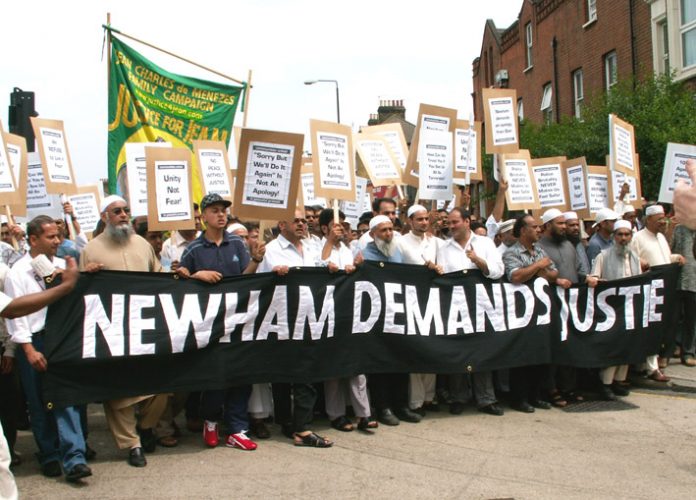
x,y
599,189
214,167
467,151
379,160
55,156
170,204
307,195
500,115
394,135
516,169
675,169
334,160
435,165
9,194
136,175
16,146
268,173
86,207
622,146
575,172
430,118
551,184
353,209
40,202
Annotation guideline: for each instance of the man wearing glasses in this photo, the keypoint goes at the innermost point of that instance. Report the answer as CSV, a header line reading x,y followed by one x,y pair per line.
x,y
118,248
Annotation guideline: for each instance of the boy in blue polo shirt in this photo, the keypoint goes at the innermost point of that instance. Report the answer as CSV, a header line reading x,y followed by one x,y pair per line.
x,y
210,257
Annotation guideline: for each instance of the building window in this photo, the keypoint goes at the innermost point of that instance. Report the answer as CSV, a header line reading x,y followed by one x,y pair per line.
x,y
688,32
546,106
520,109
662,46
611,70
591,10
528,39
578,93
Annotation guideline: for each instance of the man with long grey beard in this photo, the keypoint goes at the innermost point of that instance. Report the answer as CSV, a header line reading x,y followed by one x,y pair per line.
x,y
118,248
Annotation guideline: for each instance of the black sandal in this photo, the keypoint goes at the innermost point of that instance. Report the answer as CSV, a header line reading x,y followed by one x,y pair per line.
x,y
342,424
366,424
312,440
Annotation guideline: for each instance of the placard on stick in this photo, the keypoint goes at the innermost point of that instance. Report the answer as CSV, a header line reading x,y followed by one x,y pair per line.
x,y
307,195
500,114
599,189
55,156
9,194
435,165
16,146
169,203
379,160
334,160
430,117
575,173
675,169
618,178
214,168
136,175
622,146
516,169
467,151
394,135
551,184
86,207
268,173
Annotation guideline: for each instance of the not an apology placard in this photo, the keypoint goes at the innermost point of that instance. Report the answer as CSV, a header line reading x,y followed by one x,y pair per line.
x,y
333,158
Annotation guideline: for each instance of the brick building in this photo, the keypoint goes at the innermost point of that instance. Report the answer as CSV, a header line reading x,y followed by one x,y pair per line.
x,y
673,29
560,53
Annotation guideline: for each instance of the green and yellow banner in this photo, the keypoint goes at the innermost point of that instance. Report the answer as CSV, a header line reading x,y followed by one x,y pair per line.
x,y
149,104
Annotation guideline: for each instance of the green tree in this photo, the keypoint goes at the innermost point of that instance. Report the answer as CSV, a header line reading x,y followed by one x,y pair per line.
x,y
660,109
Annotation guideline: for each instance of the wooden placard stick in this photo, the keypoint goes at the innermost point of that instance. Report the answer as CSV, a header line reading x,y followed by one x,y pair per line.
x,y
67,218
335,211
10,222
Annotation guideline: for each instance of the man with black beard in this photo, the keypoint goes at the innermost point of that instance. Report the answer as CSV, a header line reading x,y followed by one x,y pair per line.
x,y
573,235
388,391
118,248
564,256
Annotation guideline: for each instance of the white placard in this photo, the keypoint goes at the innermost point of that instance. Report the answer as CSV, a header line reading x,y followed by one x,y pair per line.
x,y
56,155
618,179
334,161
136,173
172,190
7,179
461,149
519,180
353,209
394,141
549,181
14,153
377,159
310,199
625,155
576,188
435,161
503,118
434,123
598,192
214,172
675,169
39,202
268,174
86,209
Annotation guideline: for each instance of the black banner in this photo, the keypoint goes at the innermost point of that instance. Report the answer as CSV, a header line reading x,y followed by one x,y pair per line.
x,y
125,334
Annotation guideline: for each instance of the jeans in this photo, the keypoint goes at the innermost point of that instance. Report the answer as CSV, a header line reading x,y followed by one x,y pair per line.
x,y
57,432
232,403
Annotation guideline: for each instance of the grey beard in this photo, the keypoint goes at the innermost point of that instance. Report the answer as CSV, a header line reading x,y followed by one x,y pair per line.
x,y
119,234
387,248
621,250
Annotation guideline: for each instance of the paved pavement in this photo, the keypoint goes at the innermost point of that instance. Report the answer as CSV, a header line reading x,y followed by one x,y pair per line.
x,y
647,451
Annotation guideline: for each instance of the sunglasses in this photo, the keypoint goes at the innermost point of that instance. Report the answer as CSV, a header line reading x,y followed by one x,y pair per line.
x,y
299,221
120,210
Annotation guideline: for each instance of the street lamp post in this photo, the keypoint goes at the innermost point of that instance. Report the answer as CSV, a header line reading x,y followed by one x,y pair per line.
x,y
338,105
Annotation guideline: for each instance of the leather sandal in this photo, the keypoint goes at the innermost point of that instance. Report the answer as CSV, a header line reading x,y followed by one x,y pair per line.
x,y
342,424
366,424
168,441
312,440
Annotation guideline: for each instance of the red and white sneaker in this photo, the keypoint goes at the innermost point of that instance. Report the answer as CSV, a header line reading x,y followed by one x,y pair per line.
x,y
241,441
210,433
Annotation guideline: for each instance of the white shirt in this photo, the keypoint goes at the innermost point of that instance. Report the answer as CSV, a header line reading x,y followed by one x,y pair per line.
x,y
491,227
652,247
174,246
280,252
21,280
452,256
341,256
417,250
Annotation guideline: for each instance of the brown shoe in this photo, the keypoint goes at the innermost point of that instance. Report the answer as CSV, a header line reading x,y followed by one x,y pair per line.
x,y
658,376
689,362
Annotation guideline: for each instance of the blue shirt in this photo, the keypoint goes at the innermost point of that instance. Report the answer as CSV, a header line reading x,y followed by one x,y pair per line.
x,y
596,245
229,259
370,252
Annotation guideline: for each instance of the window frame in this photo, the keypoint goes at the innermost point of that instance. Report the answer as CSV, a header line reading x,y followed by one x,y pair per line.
x,y
529,44
547,98
684,28
578,97
611,56
591,11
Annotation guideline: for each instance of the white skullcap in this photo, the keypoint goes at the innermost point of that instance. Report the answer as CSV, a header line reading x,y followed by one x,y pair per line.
x,y
108,201
622,224
605,214
235,227
416,208
570,215
654,210
377,220
505,226
551,214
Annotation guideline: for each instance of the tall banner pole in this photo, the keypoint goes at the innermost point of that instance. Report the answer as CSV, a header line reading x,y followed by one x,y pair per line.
x,y
246,100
